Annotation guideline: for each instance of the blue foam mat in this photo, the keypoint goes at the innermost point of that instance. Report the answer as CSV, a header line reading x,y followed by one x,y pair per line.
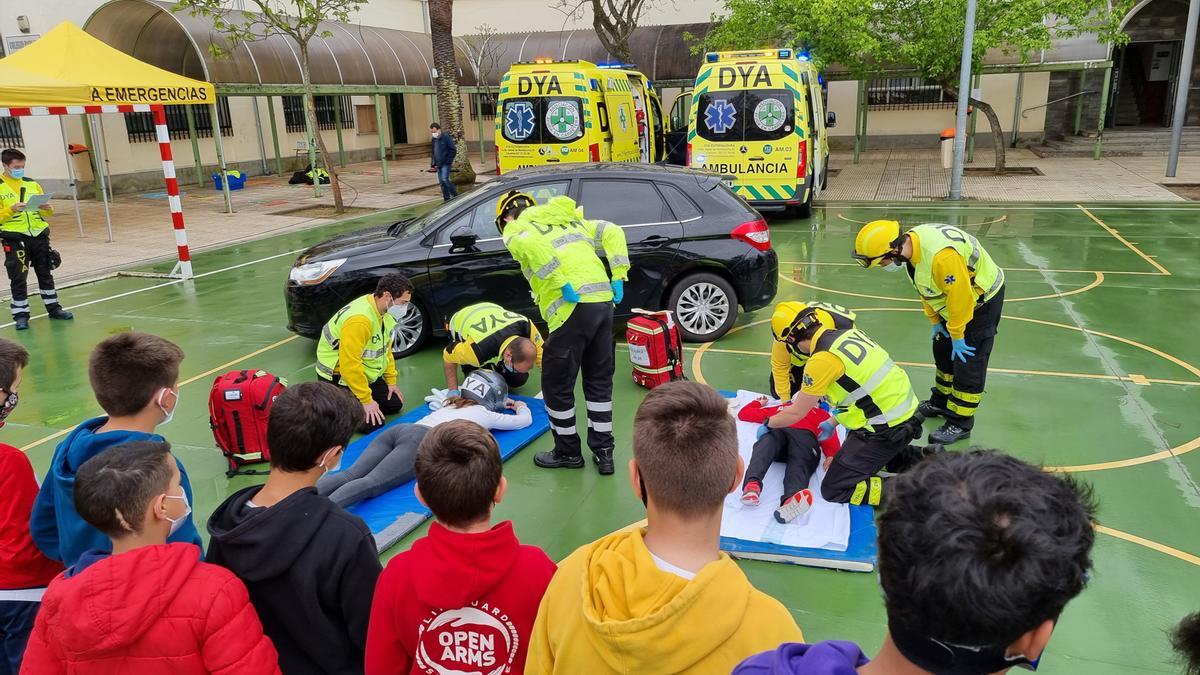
x,y
860,555
382,511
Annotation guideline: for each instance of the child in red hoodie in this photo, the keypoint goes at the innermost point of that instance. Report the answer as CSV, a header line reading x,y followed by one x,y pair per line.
x,y
799,446
464,598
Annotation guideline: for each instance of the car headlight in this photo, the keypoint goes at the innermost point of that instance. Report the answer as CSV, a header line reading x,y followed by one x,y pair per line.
x,y
313,273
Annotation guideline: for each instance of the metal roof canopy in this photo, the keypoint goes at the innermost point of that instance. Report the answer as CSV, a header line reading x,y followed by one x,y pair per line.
x,y
355,59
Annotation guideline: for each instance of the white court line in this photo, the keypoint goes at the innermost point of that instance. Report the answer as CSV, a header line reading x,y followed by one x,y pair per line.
x,y
164,284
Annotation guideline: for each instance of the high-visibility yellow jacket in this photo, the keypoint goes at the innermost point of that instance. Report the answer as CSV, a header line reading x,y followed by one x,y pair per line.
x,y
356,346
952,273
556,245
867,389
783,357
31,223
480,333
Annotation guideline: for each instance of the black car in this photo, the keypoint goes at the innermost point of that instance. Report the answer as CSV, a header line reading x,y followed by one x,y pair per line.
x,y
696,249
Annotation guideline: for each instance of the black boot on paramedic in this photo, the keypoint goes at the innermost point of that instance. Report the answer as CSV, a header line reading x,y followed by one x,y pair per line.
x,y
962,291
26,236
872,398
557,248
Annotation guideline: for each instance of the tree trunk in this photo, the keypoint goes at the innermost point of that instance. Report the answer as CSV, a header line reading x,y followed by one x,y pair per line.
x,y
993,121
449,96
611,33
310,109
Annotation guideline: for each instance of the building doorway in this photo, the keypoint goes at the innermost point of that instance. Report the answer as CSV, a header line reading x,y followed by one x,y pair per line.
x,y
399,122
1144,89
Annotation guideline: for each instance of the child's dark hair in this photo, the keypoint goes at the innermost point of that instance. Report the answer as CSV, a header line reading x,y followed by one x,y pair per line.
x,y
308,419
458,470
395,283
978,548
13,357
1186,641
128,368
113,488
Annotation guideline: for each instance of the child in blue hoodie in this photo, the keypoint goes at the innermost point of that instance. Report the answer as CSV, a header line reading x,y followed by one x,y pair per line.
x,y
979,553
135,377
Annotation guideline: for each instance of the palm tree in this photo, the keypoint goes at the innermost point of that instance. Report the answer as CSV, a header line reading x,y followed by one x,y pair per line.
x,y
449,97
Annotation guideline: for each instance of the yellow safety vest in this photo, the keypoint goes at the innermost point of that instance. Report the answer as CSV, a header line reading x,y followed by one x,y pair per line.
x,y
28,222
566,244
834,317
985,273
375,352
490,329
875,393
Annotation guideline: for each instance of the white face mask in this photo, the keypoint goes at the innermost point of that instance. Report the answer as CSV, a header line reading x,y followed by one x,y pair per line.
x,y
398,310
168,415
894,267
177,523
435,134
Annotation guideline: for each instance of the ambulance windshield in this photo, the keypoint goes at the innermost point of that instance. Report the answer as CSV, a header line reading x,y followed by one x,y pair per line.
x,y
745,115
542,120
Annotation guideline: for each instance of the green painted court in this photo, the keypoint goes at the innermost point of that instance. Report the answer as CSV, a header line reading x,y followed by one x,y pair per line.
x,y
1096,370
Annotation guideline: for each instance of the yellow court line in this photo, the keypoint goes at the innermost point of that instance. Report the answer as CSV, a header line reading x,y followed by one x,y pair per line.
x,y
802,263
1154,545
1162,270
1049,296
194,378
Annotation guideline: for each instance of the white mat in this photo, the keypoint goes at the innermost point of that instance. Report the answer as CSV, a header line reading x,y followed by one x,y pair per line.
x,y
825,526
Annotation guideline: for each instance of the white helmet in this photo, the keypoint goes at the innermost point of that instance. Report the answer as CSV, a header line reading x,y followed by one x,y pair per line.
x,y
487,388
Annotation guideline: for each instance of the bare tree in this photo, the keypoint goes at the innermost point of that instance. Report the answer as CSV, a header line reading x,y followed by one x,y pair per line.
x,y
302,24
449,96
485,52
613,20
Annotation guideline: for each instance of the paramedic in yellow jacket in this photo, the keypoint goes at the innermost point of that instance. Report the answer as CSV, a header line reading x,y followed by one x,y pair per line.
x,y
962,291
355,348
485,335
787,361
559,252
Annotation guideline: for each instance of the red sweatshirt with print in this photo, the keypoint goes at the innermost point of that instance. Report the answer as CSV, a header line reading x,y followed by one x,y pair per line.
x,y
758,413
457,603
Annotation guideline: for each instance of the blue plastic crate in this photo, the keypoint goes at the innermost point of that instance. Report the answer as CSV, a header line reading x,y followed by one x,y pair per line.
x,y
235,182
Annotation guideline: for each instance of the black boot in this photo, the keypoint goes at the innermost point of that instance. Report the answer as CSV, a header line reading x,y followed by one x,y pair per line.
x,y
927,410
553,460
22,321
949,433
57,312
604,462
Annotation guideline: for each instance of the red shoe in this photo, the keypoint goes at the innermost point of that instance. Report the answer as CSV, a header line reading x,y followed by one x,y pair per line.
x,y
795,506
751,493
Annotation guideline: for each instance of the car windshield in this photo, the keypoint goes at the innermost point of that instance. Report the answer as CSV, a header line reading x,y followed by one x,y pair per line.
x,y
418,223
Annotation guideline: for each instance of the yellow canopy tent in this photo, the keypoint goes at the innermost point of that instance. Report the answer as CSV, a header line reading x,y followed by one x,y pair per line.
x,y
67,71
111,76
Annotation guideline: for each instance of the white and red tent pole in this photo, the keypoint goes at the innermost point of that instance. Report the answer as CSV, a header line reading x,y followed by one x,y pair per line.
x,y
183,268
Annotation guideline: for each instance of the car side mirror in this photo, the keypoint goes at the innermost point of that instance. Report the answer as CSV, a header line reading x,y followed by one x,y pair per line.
x,y
463,238
830,119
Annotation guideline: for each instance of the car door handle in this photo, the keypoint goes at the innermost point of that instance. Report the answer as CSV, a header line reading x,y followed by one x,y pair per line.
x,y
656,240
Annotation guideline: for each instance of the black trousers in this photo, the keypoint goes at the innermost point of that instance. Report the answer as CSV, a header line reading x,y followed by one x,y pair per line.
x,y
584,342
795,376
514,379
851,477
379,394
958,386
20,253
796,448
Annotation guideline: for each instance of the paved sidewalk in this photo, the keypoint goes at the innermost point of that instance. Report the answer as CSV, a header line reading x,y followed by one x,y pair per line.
x,y
917,175
142,222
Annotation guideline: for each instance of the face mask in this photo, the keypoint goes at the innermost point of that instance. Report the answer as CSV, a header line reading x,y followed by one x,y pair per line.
x,y
177,523
894,267
335,467
435,134
167,416
17,173
945,658
7,407
398,310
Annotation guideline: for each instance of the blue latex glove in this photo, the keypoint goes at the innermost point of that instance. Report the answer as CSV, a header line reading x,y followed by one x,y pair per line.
x,y
762,431
451,393
823,404
826,430
939,331
961,350
618,287
569,294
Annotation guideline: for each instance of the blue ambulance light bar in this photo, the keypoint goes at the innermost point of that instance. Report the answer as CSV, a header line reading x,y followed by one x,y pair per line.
x,y
712,57
785,53
617,65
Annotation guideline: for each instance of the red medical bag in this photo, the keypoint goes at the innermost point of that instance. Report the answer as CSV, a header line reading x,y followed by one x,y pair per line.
x,y
238,407
655,349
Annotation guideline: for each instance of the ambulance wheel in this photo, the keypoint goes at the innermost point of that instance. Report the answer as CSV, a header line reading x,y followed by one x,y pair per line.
x,y
804,210
705,307
825,175
411,331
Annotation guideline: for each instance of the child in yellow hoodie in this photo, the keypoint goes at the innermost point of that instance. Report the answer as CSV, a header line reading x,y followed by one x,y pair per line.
x,y
663,598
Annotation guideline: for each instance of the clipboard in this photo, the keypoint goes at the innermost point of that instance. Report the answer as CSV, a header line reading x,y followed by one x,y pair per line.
x,y
37,202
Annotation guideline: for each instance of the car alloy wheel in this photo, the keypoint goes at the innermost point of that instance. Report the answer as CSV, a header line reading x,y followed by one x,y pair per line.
x,y
703,308
409,333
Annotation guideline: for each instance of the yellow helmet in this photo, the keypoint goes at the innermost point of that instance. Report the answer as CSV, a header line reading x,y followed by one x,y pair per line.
x,y
511,200
787,317
875,241
785,314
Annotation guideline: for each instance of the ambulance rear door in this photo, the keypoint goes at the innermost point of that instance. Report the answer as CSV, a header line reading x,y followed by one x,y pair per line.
x,y
818,145
622,120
